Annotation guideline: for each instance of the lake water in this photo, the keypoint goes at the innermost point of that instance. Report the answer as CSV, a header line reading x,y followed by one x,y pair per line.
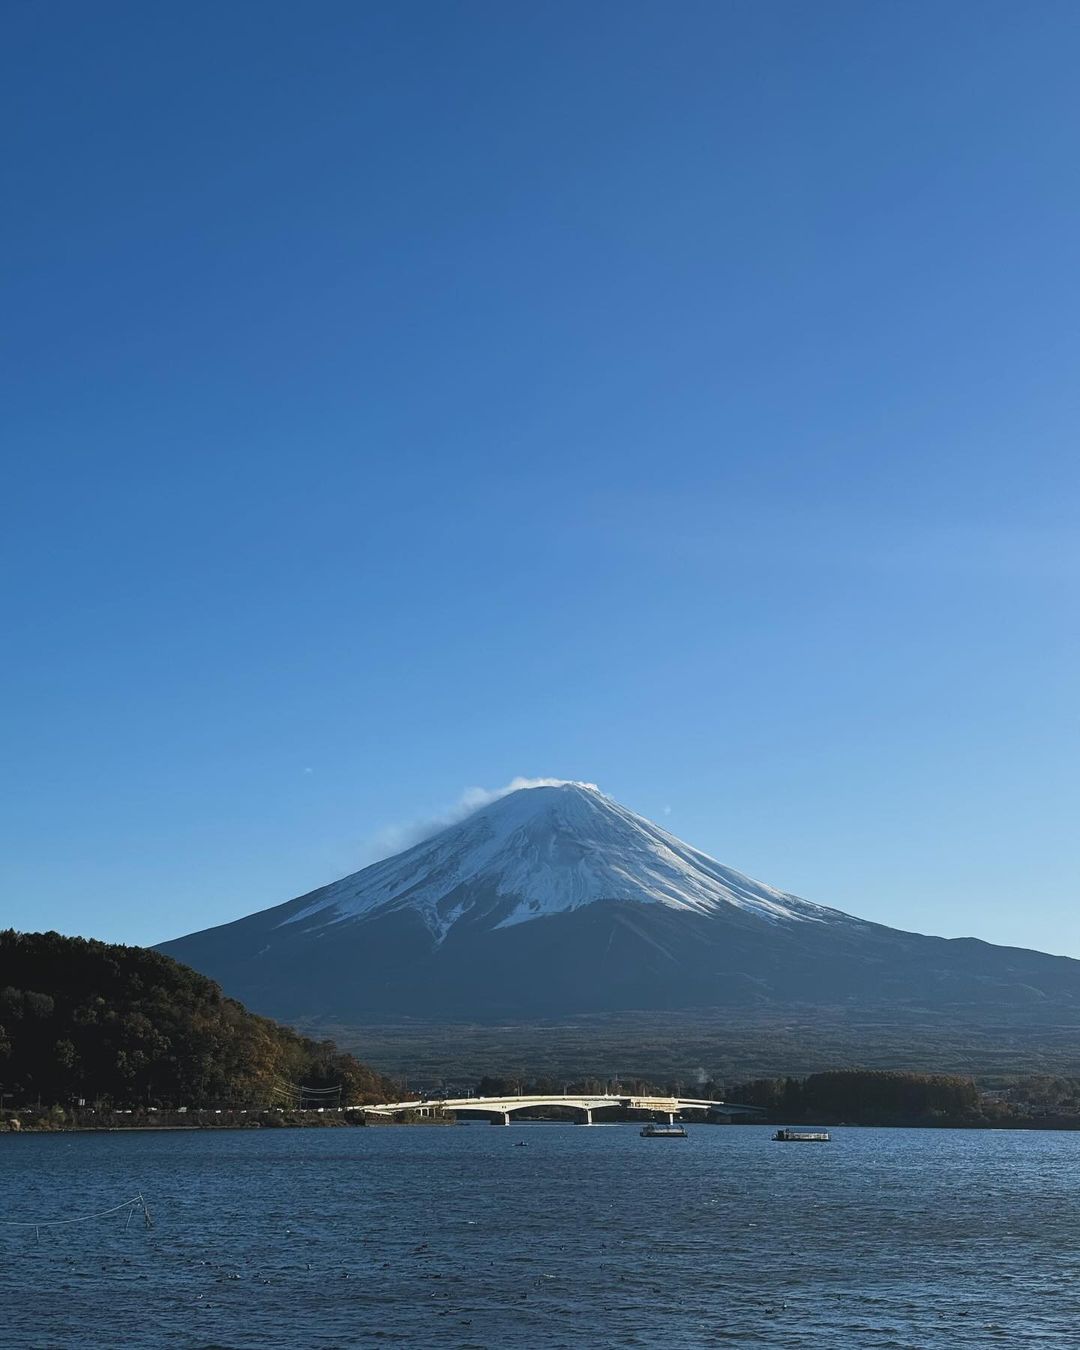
x,y
454,1236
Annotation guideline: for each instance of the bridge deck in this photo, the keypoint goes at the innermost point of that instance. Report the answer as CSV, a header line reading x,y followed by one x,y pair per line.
x,y
584,1103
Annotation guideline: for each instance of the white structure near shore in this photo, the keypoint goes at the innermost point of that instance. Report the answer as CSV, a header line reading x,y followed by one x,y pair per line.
x,y
500,1109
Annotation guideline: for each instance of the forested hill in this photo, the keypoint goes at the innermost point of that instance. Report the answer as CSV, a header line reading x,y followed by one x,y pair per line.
x,y
130,1027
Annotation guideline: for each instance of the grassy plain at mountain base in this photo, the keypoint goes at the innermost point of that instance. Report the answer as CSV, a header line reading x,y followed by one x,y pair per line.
x,y
726,1045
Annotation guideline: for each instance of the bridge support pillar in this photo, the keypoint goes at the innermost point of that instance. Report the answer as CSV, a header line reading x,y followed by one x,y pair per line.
x,y
586,1116
671,1117
501,1118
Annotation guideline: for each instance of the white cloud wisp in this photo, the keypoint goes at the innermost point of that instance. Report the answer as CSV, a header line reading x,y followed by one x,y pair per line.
x,y
396,838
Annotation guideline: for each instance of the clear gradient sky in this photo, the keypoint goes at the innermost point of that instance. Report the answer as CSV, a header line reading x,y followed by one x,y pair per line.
x,y
402,398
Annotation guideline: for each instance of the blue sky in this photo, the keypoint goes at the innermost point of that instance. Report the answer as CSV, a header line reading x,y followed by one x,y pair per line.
x,y
404,398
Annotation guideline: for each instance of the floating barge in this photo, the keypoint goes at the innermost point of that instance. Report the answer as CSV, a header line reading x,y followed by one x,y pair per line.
x,y
654,1131
801,1137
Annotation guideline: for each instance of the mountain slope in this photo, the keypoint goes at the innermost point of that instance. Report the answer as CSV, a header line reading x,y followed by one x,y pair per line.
x,y
555,900
80,1018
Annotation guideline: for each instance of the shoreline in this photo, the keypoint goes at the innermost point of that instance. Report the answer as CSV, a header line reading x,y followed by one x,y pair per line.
x,y
255,1127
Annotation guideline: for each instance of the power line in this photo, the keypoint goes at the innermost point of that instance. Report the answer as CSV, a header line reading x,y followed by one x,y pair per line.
x,y
136,1203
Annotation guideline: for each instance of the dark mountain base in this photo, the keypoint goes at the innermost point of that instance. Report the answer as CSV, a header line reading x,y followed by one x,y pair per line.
x,y
720,1046
632,990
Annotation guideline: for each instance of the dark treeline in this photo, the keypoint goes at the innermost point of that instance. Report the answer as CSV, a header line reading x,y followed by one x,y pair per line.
x,y
851,1096
864,1096
128,1027
884,1097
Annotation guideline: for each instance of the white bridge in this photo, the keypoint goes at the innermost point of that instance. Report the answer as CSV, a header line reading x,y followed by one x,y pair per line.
x,y
500,1109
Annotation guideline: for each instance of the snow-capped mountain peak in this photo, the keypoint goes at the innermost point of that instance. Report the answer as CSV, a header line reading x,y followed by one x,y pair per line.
x,y
554,902
544,850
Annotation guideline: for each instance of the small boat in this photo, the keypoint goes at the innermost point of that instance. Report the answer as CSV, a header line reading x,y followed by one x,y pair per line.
x,y
654,1131
801,1137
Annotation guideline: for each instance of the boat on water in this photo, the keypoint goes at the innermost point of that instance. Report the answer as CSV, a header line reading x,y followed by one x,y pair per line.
x,y
801,1137
655,1131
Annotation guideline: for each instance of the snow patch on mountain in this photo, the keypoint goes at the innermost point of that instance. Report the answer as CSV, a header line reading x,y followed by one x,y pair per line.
x,y
544,847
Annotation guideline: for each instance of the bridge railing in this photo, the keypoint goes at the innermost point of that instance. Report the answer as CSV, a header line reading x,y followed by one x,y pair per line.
x,y
575,1102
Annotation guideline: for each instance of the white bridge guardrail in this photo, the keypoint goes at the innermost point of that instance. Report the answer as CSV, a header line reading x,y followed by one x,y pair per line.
x,y
585,1104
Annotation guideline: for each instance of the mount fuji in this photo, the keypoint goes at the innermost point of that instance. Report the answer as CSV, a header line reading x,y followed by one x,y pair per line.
x,y
555,901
